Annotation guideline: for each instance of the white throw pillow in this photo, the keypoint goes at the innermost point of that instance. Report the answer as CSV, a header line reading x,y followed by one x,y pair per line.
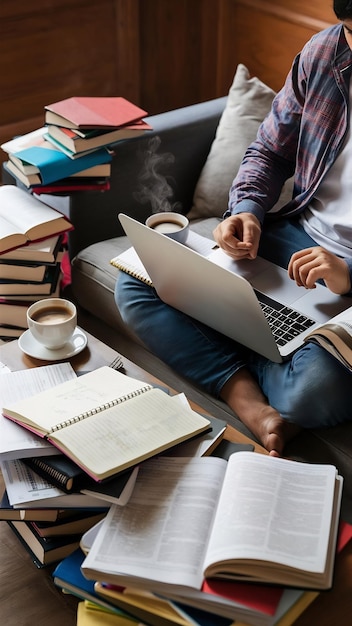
x,y
249,101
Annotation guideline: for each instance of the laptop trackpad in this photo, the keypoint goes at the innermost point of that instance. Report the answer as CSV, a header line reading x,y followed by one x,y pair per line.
x,y
319,303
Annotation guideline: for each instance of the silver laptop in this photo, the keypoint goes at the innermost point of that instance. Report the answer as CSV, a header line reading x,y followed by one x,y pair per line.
x,y
253,302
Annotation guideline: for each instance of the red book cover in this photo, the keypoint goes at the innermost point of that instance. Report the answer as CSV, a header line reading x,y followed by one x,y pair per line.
x,y
93,112
263,598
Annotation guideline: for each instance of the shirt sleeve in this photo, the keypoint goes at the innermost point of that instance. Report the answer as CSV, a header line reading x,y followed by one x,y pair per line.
x,y
349,264
271,159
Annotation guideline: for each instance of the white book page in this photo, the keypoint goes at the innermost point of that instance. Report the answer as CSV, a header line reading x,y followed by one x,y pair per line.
x,y
161,534
132,264
34,138
274,509
19,385
7,228
129,432
200,244
23,210
347,325
74,397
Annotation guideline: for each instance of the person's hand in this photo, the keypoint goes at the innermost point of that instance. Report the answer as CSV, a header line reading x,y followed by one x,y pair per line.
x,y
239,235
309,265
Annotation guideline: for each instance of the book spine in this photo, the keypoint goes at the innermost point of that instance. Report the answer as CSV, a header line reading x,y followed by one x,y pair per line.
x,y
54,476
99,409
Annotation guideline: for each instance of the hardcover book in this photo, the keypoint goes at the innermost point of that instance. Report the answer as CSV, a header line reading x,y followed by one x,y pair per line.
x,y
77,523
67,576
23,219
42,514
25,287
81,181
8,512
13,313
22,271
336,337
10,331
93,112
44,551
74,141
63,473
234,543
46,251
54,165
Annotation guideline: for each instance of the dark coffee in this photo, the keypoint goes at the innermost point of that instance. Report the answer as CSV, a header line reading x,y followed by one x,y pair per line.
x,y
52,315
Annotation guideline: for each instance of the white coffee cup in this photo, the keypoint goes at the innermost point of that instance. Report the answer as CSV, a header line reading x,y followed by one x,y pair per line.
x,y
174,225
52,321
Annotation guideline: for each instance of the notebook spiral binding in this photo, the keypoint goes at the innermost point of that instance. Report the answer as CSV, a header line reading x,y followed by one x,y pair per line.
x,y
99,409
53,473
126,267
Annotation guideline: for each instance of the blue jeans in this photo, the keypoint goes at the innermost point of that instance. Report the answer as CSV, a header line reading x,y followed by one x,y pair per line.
x,y
311,389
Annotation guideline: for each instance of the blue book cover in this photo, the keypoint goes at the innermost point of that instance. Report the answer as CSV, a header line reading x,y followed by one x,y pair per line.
x,y
54,164
67,575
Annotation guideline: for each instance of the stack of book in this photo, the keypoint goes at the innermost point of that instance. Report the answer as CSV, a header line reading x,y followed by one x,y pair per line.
x,y
31,236
70,152
48,521
51,497
220,599
199,539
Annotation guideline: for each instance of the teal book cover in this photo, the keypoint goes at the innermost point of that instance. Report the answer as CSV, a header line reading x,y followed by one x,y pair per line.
x,y
54,164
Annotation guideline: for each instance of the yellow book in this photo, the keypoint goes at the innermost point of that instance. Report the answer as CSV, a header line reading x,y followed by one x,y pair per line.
x,y
89,616
145,606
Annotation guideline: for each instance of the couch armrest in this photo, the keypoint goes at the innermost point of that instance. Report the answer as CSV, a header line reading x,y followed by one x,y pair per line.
x,y
185,133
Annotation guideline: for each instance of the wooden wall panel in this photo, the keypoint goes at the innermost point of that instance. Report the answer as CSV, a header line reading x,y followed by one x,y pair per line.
x,y
50,51
179,48
266,36
161,54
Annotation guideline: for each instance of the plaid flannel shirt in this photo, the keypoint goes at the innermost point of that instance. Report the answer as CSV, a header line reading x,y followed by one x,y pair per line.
x,y
303,133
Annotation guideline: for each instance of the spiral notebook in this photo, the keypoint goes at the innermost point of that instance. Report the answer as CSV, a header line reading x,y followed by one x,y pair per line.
x,y
130,263
106,421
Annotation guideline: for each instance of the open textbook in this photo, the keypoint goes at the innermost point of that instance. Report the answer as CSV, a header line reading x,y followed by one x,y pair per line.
x,y
336,337
23,219
106,421
254,518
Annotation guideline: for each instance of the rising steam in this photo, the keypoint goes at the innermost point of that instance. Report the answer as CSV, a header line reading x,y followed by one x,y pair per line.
x,y
155,185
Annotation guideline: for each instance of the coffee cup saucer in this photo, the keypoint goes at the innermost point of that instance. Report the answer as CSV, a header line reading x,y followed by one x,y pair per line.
x,y
30,346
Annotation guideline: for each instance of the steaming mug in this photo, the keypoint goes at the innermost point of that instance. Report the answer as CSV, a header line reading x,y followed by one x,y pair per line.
x,y
52,321
174,225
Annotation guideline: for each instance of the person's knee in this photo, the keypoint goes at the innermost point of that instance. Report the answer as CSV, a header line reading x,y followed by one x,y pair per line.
x,y
153,321
321,397
131,298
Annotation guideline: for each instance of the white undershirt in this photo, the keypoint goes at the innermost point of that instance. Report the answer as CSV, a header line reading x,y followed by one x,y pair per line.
x,y
328,219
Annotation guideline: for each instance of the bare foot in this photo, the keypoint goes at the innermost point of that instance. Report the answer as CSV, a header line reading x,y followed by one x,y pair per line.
x,y
245,397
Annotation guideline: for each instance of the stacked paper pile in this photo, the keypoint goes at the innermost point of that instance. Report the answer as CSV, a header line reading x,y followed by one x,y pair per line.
x,y
71,151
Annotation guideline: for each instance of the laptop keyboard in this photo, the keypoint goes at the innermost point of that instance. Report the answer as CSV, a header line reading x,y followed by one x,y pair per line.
x,y
285,323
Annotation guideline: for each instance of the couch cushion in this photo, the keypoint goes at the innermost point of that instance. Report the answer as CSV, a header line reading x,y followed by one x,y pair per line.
x,y
249,100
